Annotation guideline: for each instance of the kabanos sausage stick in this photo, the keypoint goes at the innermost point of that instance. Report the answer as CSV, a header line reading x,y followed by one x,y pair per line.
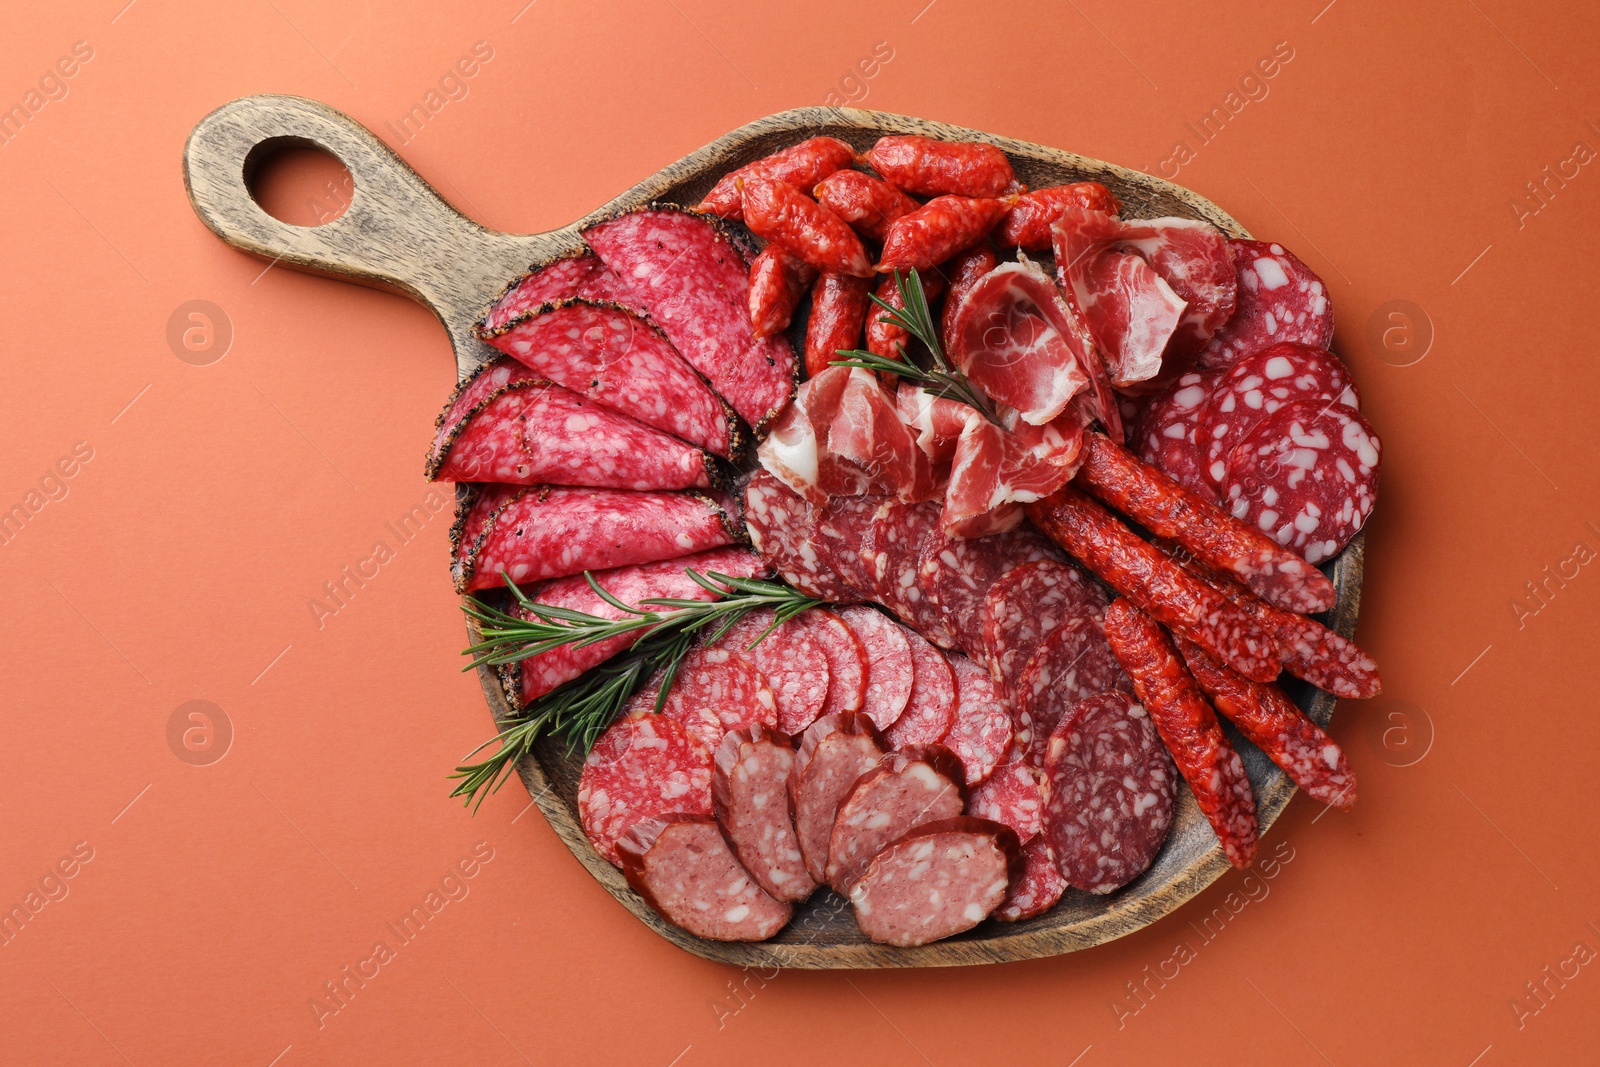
x,y
787,217
1137,570
925,167
777,281
963,272
1276,574
802,166
938,230
838,311
1272,722
1189,727
1028,224
884,338
864,202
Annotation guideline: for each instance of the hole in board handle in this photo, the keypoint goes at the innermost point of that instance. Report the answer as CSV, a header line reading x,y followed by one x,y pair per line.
x,y
298,181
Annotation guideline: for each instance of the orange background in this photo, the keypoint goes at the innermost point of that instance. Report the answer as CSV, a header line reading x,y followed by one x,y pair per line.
x,y
178,566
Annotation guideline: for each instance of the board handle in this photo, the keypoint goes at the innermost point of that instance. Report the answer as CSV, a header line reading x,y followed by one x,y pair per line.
x,y
397,233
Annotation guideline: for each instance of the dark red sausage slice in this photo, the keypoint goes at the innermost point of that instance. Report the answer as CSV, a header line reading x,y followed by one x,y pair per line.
x,y
1074,663
1279,299
958,574
931,708
1026,606
1040,886
643,767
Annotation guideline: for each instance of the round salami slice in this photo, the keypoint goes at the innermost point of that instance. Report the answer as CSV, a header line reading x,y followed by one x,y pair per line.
x,y
779,523
938,880
890,671
1167,435
958,575
1307,475
1073,663
643,767
931,707
847,660
1025,607
835,751
1109,789
684,869
1260,384
840,531
1011,796
892,553
981,733
909,788
714,691
1279,299
792,661
750,794
1040,886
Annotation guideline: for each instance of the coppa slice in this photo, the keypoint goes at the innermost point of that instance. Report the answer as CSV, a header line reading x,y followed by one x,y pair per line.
x,y
791,660
1259,384
931,708
531,431
1074,663
909,788
779,523
1024,607
576,274
1109,793
715,690
890,669
938,880
981,733
643,767
684,869
609,354
835,751
1279,299
750,793
957,576
682,267
537,675
547,532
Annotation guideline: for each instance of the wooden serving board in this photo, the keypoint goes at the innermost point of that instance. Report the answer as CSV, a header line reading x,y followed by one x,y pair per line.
x,y
399,234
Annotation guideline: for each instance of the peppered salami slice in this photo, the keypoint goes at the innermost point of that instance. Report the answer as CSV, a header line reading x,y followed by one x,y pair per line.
x,y
750,794
714,691
840,530
1109,789
476,507
643,767
888,658
1168,433
779,522
908,788
931,707
791,659
1261,383
611,355
1307,476
958,574
1073,663
847,660
547,532
892,553
835,751
1011,796
1279,299
1039,887
981,732
683,268
577,274
683,867
1026,606
936,881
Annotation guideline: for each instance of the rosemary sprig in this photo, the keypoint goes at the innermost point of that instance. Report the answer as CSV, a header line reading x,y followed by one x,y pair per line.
x,y
581,709
943,378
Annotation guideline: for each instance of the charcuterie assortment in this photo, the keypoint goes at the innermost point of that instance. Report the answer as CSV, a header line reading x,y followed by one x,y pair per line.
x,y
880,526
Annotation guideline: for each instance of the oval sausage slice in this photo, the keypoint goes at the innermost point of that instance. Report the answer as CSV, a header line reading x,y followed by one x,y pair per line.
x,y
937,880
910,787
683,868
750,794
835,751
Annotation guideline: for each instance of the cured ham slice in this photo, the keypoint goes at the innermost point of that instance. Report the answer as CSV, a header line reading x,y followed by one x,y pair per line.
x,y
1131,311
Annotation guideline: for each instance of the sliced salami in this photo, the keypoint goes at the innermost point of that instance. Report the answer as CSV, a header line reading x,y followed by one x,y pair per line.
x,y
750,794
908,788
792,661
575,275
1168,433
889,665
936,881
1039,887
892,552
847,660
547,532
835,751
1307,475
1026,606
683,268
714,691
1258,385
476,507
1279,299
538,675
643,767
958,574
1011,796
611,355
1072,664
840,530
1109,789
981,732
780,526
931,707
683,868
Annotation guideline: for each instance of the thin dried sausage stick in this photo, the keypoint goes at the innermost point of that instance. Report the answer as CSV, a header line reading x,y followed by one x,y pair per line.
x,y
863,201
777,281
839,305
782,214
938,230
802,166
883,337
1028,223
926,167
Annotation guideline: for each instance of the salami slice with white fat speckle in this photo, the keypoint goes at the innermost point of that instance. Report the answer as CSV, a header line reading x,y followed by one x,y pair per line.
x,y
1040,886
683,868
791,660
683,268
908,788
779,523
1260,384
1073,663
1279,299
847,660
936,881
958,574
643,767
1026,606
1168,433
715,690
1011,796
750,794
892,552
1109,793
1307,476
981,732
931,707
577,274
890,670
835,751
840,531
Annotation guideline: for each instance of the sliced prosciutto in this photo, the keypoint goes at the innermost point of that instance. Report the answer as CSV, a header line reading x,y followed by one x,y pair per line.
x,y
576,274
683,269
994,471
609,354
